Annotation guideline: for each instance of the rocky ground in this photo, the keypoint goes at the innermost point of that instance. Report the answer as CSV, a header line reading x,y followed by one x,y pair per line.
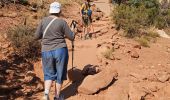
x,y
108,67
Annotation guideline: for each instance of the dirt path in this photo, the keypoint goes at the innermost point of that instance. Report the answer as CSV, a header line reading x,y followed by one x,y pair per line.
x,y
84,54
104,6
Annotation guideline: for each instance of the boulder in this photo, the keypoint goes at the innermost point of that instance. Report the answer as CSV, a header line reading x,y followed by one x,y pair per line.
x,y
93,83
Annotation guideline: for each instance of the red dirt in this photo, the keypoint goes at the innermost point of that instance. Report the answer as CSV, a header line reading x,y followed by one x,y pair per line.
x,y
143,78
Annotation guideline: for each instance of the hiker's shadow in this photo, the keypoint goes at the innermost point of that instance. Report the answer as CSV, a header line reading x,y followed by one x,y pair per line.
x,y
77,78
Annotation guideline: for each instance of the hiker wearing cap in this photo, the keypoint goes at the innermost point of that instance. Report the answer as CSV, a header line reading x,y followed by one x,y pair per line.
x,y
53,30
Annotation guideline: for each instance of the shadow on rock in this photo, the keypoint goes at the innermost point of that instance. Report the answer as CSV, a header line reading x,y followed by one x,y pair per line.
x,y
75,76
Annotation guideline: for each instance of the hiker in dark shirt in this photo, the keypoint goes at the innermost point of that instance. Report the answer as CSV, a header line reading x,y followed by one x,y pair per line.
x,y
53,30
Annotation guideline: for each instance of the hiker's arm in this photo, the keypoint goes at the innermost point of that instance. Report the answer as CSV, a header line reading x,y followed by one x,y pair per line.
x,y
67,32
38,33
81,8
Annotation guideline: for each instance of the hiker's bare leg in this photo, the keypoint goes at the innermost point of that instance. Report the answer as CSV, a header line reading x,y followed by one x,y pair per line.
x,y
48,84
58,89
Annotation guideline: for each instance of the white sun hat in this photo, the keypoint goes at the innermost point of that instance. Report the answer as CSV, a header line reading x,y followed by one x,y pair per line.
x,y
55,7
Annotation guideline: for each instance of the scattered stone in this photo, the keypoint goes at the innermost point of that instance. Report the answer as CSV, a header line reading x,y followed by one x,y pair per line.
x,y
163,34
168,49
10,73
138,46
113,26
154,86
97,15
117,58
105,19
104,30
134,54
39,87
6,45
1,14
93,83
137,77
99,45
121,44
11,15
163,76
29,77
135,93
19,93
116,46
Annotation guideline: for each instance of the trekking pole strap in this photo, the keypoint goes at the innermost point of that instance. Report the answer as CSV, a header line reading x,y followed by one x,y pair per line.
x,y
45,31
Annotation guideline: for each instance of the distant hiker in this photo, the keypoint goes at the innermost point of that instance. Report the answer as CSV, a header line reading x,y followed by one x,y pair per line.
x,y
85,9
86,14
53,30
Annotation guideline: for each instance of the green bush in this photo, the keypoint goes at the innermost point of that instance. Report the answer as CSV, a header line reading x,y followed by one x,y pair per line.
x,y
135,16
22,40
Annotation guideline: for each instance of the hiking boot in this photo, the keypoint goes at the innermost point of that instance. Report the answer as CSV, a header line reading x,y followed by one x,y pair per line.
x,y
46,97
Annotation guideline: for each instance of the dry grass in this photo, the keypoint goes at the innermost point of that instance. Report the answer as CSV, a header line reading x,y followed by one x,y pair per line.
x,y
143,41
108,54
22,39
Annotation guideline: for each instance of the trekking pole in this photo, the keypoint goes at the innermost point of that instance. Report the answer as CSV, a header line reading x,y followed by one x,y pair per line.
x,y
72,55
73,25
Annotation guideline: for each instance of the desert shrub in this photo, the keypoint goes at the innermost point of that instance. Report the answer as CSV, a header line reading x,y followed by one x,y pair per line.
x,y
22,40
136,15
163,19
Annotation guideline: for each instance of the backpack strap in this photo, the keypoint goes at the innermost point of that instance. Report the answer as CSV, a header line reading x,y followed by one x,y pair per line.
x,y
45,31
